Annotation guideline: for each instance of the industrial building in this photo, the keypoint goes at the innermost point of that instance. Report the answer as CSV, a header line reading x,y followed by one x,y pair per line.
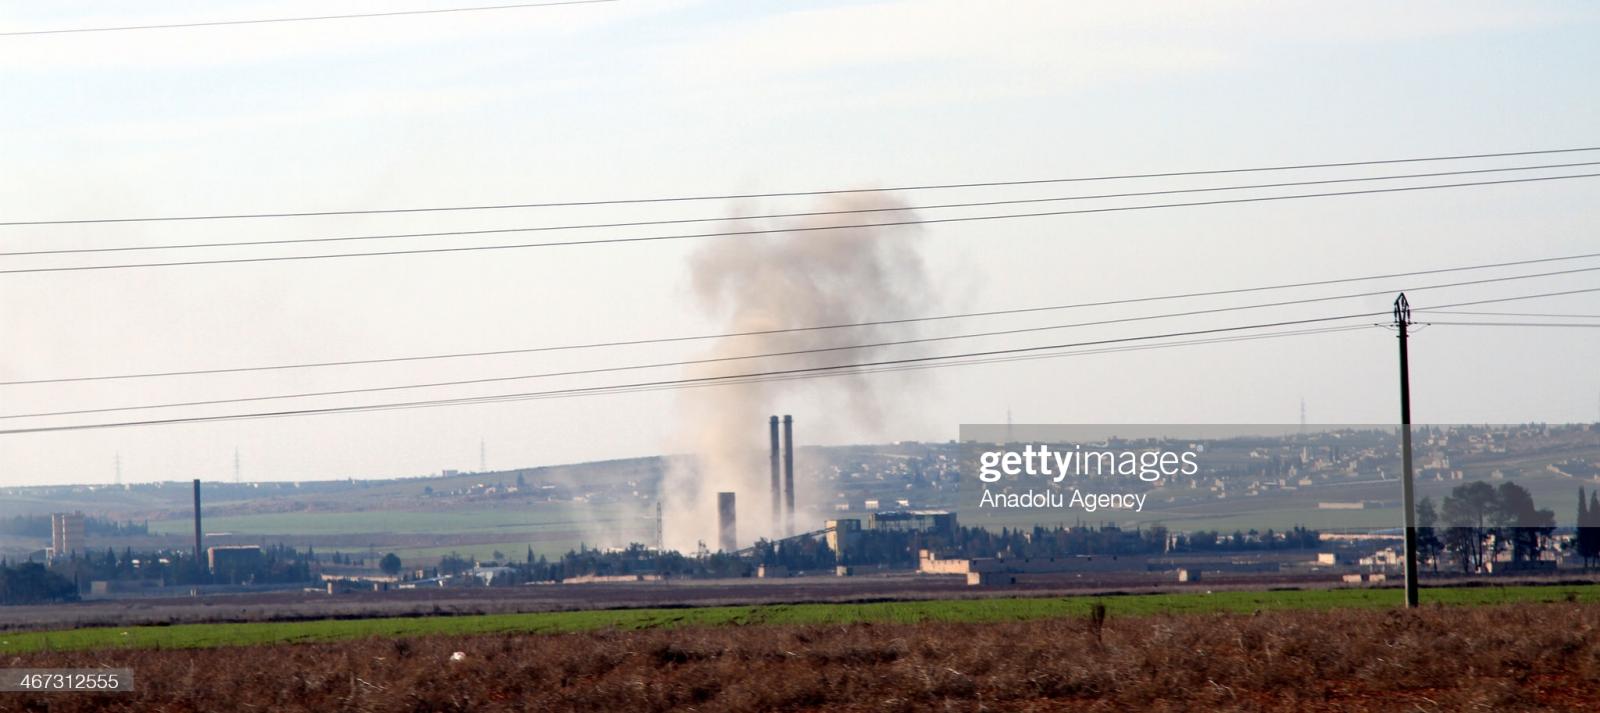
x,y
226,559
935,521
842,534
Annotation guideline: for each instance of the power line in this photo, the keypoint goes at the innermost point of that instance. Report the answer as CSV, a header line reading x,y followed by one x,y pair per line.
x,y
592,371
353,16
784,194
735,378
633,367
801,229
806,214
679,383
796,352
1513,314
1513,324
956,362
788,330
1104,350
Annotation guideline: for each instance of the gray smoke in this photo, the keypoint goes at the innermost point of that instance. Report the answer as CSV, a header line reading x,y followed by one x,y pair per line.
x,y
780,281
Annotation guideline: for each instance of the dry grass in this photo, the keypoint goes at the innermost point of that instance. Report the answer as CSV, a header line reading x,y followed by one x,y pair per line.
x,y
1543,656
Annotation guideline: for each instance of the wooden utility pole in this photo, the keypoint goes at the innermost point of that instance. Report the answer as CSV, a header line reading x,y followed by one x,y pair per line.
x,y
1402,320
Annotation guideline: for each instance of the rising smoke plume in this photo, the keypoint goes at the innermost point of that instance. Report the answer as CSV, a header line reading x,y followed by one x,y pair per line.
x,y
779,281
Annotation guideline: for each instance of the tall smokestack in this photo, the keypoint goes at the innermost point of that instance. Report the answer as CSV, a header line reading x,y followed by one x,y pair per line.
x,y
788,471
197,550
727,528
777,476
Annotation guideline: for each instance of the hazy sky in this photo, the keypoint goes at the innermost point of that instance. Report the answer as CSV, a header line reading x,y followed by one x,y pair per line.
x,y
641,98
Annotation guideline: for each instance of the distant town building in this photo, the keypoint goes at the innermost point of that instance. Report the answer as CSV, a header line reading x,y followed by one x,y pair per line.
x,y
1386,557
66,534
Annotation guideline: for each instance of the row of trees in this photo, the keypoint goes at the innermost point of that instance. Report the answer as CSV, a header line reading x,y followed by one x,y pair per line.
x,y
277,564
634,559
1587,543
1478,522
33,583
889,548
1086,540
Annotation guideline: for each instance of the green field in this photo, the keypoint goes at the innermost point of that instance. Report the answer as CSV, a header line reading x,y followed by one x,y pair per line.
x,y
964,610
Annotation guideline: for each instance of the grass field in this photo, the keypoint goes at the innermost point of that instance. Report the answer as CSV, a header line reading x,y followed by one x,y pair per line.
x,y
952,611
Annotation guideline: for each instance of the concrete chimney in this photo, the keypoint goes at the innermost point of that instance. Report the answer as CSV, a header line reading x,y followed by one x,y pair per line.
x,y
788,472
777,476
727,527
198,553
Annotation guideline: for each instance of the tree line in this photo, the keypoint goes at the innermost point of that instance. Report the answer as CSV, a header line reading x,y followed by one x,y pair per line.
x,y
891,548
1478,522
1587,542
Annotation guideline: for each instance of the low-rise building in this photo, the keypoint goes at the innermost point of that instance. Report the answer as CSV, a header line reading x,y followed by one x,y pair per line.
x,y
223,559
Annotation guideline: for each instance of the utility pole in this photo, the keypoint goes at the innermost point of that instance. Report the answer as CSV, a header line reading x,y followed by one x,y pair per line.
x,y
119,469
1402,320
235,465
483,457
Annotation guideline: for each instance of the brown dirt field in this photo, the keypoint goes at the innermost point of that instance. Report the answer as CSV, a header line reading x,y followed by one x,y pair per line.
x,y
1540,657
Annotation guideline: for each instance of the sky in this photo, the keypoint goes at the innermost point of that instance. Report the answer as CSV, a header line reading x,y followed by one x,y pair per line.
x,y
672,98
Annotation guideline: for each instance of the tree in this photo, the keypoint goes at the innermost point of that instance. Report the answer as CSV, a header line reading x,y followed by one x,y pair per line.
x,y
1521,522
1429,546
1588,539
1468,509
390,564
453,563
1594,523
